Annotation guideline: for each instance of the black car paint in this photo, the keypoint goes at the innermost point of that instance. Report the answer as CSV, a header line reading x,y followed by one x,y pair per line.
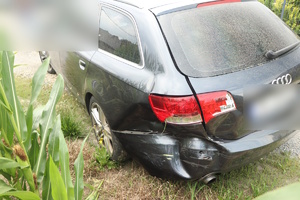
x,y
190,158
171,151
231,125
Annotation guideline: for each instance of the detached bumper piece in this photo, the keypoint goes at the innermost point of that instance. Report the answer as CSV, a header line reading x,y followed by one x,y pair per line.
x,y
176,158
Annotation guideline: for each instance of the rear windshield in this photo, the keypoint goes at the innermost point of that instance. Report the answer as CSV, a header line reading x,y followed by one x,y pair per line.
x,y
219,39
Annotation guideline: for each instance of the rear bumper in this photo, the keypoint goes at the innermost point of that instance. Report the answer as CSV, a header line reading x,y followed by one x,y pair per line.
x,y
192,158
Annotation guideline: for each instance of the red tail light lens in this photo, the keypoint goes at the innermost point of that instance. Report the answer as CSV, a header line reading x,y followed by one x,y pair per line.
x,y
215,103
216,2
176,110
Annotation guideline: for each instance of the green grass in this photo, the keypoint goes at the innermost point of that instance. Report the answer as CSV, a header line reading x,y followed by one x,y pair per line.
x,y
68,107
131,181
70,126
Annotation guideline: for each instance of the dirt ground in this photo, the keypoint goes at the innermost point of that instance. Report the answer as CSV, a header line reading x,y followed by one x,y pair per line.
x,y
26,65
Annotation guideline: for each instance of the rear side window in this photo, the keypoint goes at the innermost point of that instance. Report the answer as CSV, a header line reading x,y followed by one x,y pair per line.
x,y
220,39
117,35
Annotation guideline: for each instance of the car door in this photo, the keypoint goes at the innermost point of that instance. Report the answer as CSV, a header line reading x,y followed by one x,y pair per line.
x,y
74,67
116,74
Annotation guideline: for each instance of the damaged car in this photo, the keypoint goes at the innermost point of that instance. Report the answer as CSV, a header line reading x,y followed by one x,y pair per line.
x,y
165,86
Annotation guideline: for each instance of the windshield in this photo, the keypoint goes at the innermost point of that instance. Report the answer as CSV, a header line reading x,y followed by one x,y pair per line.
x,y
219,39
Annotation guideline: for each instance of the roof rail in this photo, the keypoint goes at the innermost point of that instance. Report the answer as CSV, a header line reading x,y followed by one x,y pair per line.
x,y
135,3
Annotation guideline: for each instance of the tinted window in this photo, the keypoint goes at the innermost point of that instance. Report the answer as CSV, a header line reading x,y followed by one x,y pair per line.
x,y
117,35
219,39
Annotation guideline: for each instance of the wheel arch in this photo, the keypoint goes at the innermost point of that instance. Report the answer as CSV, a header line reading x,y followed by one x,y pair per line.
x,y
87,99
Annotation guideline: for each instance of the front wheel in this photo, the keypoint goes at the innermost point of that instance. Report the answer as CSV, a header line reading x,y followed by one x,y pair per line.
x,y
103,133
43,56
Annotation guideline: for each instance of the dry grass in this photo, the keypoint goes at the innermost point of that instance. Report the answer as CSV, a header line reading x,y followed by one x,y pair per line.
x,y
128,181
131,181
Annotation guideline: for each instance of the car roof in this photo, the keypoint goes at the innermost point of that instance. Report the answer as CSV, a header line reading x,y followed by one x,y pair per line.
x,y
156,3
148,4
159,7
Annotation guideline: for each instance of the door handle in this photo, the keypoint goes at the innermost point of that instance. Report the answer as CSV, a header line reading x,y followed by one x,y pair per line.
x,y
82,65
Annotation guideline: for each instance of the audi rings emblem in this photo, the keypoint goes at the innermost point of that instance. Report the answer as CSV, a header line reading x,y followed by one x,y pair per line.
x,y
284,80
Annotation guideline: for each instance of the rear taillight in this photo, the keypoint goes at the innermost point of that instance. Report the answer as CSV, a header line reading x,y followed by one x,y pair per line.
x,y
215,103
185,110
176,110
216,3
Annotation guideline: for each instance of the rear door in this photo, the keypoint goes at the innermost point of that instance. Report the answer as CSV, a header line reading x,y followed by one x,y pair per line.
x,y
222,50
116,76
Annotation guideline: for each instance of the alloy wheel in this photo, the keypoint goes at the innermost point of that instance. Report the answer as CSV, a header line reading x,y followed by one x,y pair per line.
x,y
101,128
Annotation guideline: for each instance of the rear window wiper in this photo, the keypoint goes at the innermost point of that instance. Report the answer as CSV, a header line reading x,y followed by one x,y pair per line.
x,y
271,54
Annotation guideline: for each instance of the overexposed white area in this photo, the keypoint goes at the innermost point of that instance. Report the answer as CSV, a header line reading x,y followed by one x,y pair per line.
x,y
49,24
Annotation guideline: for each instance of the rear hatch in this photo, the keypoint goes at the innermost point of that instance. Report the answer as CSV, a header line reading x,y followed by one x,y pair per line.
x,y
221,48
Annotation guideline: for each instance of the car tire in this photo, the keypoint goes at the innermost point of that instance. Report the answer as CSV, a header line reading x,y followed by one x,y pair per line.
x,y
103,134
43,56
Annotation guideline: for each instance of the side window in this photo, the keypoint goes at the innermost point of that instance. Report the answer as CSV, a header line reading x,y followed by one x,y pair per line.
x,y
117,35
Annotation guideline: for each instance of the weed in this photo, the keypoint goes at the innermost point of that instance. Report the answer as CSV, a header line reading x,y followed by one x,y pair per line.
x,y
101,159
69,125
195,188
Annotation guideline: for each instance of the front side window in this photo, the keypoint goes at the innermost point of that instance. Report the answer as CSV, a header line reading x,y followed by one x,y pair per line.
x,y
117,35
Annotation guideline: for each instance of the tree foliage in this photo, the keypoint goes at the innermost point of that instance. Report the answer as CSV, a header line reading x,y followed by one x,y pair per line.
x,y
291,14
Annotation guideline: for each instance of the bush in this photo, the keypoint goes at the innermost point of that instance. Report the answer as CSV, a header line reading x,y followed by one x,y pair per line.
x,y
291,12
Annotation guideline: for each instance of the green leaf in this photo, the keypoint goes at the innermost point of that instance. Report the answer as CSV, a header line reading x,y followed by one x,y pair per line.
x,y
35,148
26,170
4,106
38,80
290,192
37,115
46,126
57,184
4,187
78,165
53,150
11,170
6,127
6,163
46,194
95,194
1,64
23,195
53,146
10,91
29,121
6,175
37,83
64,165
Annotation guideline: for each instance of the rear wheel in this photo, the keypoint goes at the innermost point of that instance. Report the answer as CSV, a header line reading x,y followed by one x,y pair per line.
x,y
43,56
103,133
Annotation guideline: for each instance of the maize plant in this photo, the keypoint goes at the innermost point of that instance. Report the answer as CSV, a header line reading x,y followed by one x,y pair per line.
x,y
33,152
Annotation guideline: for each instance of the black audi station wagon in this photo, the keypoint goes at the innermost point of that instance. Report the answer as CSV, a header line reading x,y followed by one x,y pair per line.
x,y
166,83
